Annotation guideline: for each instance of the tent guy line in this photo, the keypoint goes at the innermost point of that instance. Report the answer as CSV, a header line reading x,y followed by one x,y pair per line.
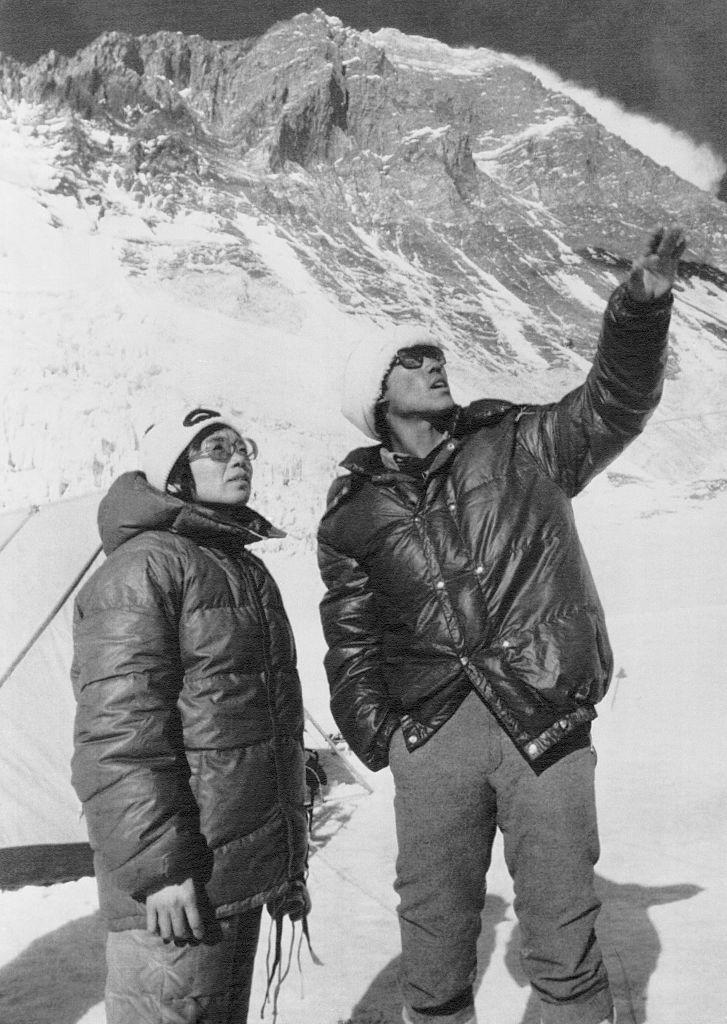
x,y
31,512
50,616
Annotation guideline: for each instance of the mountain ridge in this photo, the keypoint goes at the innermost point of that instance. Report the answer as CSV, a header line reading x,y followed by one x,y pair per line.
x,y
662,59
395,178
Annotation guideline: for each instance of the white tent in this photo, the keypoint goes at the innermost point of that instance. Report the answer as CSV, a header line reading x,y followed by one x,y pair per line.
x,y
45,553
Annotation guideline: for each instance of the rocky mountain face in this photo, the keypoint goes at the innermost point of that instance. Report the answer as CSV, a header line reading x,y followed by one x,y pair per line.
x,y
411,181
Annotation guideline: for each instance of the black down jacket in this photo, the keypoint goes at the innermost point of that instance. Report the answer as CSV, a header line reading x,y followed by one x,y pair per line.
x,y
188,737
473,576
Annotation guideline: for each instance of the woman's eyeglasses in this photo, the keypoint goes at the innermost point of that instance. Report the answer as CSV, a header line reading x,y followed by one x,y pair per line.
x,y
219,449
413,357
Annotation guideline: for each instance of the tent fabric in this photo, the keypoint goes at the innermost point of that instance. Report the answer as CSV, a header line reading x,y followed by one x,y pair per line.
x,y
42,555
37,565
12,522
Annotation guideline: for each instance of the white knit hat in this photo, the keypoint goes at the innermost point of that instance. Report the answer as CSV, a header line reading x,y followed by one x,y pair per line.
x,y
365,371
164,441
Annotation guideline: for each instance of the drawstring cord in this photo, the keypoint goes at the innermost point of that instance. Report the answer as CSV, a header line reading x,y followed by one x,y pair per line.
x,y
277,966
316,960
267,966
277,923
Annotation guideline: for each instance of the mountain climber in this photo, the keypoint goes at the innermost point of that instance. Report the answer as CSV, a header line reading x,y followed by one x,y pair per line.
x,y
467,645
189,753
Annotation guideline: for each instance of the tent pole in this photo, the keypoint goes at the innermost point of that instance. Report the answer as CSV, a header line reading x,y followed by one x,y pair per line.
x,y
351,767
50,616
31,512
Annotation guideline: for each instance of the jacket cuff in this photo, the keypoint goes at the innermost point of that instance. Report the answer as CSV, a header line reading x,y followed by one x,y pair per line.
x,y
379,756
623,298
153,873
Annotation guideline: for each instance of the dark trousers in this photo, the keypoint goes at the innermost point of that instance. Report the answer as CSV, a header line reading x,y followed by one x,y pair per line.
x,y
150,982
451,796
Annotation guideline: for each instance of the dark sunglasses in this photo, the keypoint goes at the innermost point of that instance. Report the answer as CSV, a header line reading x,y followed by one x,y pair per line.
x,y
413,357
220,449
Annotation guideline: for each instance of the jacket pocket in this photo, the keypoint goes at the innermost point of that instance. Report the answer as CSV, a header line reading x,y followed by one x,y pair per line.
x,y
567,657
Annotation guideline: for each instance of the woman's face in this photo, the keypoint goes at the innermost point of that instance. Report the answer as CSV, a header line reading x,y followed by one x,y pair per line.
x,y
225,482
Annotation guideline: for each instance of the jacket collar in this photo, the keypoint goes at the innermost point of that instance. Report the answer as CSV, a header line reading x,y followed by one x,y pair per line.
x,y
380,465
132,506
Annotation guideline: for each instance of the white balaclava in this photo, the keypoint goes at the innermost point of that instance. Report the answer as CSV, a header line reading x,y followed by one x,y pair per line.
x,y
164,441
366,368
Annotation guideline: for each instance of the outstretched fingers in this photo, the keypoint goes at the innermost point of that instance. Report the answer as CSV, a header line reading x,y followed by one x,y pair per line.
x,y
671,244
655,241
654,273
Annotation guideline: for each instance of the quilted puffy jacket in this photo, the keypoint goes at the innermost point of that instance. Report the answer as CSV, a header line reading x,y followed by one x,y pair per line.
x,y
189,726
472,575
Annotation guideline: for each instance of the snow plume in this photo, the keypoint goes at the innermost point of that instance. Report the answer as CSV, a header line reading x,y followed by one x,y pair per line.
x,y
692,161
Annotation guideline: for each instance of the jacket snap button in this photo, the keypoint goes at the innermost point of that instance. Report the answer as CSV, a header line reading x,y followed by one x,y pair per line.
x,y
465,661
440,585
412,737
450,447
506,644
480,569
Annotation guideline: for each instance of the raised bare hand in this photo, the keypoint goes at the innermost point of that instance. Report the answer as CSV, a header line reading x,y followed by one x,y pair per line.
x,y
654,273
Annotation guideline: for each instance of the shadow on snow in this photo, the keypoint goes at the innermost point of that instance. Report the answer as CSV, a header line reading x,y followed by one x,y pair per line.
x,y
60,976
629,941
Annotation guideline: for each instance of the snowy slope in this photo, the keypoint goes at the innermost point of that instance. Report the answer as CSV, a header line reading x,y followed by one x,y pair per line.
x,y
89,350
145,254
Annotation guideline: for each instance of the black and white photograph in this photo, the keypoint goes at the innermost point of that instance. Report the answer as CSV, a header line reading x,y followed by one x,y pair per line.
x,y
363,617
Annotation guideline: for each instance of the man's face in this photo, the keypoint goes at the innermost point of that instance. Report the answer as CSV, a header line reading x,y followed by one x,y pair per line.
x,y
420,391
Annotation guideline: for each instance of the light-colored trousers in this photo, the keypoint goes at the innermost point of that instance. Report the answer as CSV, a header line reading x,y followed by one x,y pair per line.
x,y
451,796
150,982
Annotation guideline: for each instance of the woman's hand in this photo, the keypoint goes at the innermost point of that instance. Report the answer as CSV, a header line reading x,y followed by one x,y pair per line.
x,y
173,913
